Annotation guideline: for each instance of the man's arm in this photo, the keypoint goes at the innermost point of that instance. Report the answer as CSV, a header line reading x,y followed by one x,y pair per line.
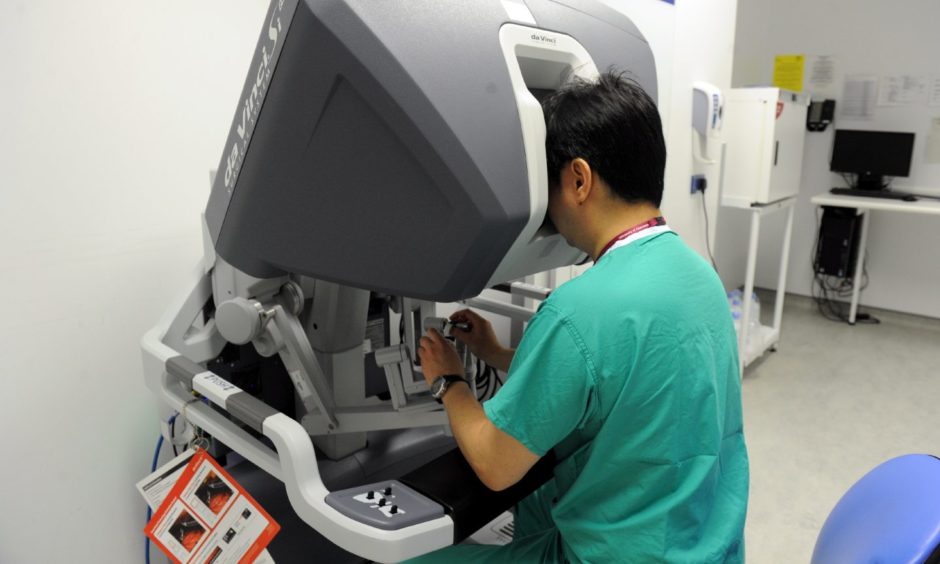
x,y
497,458
481,339
500,359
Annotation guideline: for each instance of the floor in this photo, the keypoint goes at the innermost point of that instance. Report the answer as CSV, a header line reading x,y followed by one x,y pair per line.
x,y
832,403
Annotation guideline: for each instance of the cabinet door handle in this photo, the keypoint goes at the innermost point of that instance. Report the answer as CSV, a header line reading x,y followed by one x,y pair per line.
x,y
776,152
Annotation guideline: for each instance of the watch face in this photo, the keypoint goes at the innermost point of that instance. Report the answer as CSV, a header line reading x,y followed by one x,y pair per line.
x,y
437,387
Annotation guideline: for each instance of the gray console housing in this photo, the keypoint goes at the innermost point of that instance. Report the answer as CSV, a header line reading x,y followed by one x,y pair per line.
x,y
401,506
378,144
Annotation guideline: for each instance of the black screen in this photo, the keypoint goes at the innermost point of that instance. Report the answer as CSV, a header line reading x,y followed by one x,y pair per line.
x,y
541,93
879,153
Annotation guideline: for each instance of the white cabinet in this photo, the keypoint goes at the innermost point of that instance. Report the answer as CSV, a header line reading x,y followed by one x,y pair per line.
x,y
764,130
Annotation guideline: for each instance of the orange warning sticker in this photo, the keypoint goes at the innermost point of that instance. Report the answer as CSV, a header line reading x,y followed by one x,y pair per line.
x,y
209,518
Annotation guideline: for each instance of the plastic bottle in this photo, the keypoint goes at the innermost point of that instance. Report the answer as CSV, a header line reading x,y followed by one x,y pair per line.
x,y
734,304
754,321
754,341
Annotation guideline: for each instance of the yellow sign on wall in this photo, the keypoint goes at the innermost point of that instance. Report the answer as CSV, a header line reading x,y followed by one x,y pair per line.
x,y
788,72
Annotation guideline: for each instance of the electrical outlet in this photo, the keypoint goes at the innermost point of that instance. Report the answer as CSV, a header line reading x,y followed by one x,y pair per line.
x,y
698,183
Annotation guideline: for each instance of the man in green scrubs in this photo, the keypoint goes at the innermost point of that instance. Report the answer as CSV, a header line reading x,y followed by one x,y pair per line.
x,y
628,372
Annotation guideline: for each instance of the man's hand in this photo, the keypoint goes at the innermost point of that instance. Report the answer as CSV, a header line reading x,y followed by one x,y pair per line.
x,y
481,339
498,459
438,357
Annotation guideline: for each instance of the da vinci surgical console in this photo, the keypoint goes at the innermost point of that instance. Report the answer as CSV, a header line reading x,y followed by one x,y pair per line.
x,y
384,156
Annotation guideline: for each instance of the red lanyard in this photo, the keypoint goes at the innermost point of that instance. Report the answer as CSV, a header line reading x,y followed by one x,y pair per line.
x,y
655,222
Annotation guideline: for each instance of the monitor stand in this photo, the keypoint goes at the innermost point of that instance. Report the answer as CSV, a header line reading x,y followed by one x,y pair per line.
x,y
869,181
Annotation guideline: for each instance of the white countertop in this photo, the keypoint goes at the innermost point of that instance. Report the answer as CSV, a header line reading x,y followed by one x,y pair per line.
x,y
923,206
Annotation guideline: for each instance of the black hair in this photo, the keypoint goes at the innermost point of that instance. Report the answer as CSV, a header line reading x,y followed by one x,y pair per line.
x,y
614,125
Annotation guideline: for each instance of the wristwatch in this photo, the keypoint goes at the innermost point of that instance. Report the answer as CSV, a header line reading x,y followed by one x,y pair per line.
x,y
440,385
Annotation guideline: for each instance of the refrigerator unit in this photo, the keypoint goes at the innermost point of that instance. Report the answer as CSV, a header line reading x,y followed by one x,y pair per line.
x,y
764,130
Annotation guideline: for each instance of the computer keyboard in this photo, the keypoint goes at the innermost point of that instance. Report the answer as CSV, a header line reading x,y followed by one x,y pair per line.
x,y
885,194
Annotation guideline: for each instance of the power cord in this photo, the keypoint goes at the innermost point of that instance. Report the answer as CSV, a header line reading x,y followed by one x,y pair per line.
x,y
700,185
487,380
153,468
173,435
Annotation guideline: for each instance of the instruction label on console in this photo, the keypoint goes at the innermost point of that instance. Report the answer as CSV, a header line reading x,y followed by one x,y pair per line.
x,y
208,517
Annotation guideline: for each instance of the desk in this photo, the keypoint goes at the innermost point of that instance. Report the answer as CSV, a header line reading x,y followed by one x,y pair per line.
x,y
865,205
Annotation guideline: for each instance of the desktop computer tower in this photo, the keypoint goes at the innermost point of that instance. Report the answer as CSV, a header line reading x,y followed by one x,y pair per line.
x,y
837,247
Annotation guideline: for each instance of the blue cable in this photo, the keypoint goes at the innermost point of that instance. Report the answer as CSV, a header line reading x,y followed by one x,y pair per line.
x,y
153,468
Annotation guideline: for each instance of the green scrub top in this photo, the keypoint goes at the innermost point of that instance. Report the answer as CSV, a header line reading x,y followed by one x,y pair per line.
x,y
630,373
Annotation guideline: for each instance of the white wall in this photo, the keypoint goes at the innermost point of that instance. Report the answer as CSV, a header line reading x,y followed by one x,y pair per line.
x,y
113,113
864,37
692,41
703,50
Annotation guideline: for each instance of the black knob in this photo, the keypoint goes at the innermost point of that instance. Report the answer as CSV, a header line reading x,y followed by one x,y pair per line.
x,y
370,495
388,490
394,509
382,502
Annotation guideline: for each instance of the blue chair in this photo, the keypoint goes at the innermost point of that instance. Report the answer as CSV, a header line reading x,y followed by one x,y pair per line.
x,y
891,515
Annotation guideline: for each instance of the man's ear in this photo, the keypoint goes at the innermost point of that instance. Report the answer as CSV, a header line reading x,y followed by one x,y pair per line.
x,y
583,178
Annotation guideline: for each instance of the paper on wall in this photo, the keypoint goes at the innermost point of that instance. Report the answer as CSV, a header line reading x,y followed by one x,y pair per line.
x,y
935,90
933,142
822,72
858,97
902,90
788,72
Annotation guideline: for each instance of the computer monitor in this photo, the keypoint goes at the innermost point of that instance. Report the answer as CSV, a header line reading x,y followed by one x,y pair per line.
x,y
872,155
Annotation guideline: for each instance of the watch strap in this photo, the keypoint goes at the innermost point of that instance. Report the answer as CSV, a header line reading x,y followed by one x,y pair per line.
x,y
448,379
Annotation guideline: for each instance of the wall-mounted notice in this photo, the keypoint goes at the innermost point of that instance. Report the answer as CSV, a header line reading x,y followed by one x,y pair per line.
x,y
902,90
933,142
858,97
935,90
822,72
788,72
